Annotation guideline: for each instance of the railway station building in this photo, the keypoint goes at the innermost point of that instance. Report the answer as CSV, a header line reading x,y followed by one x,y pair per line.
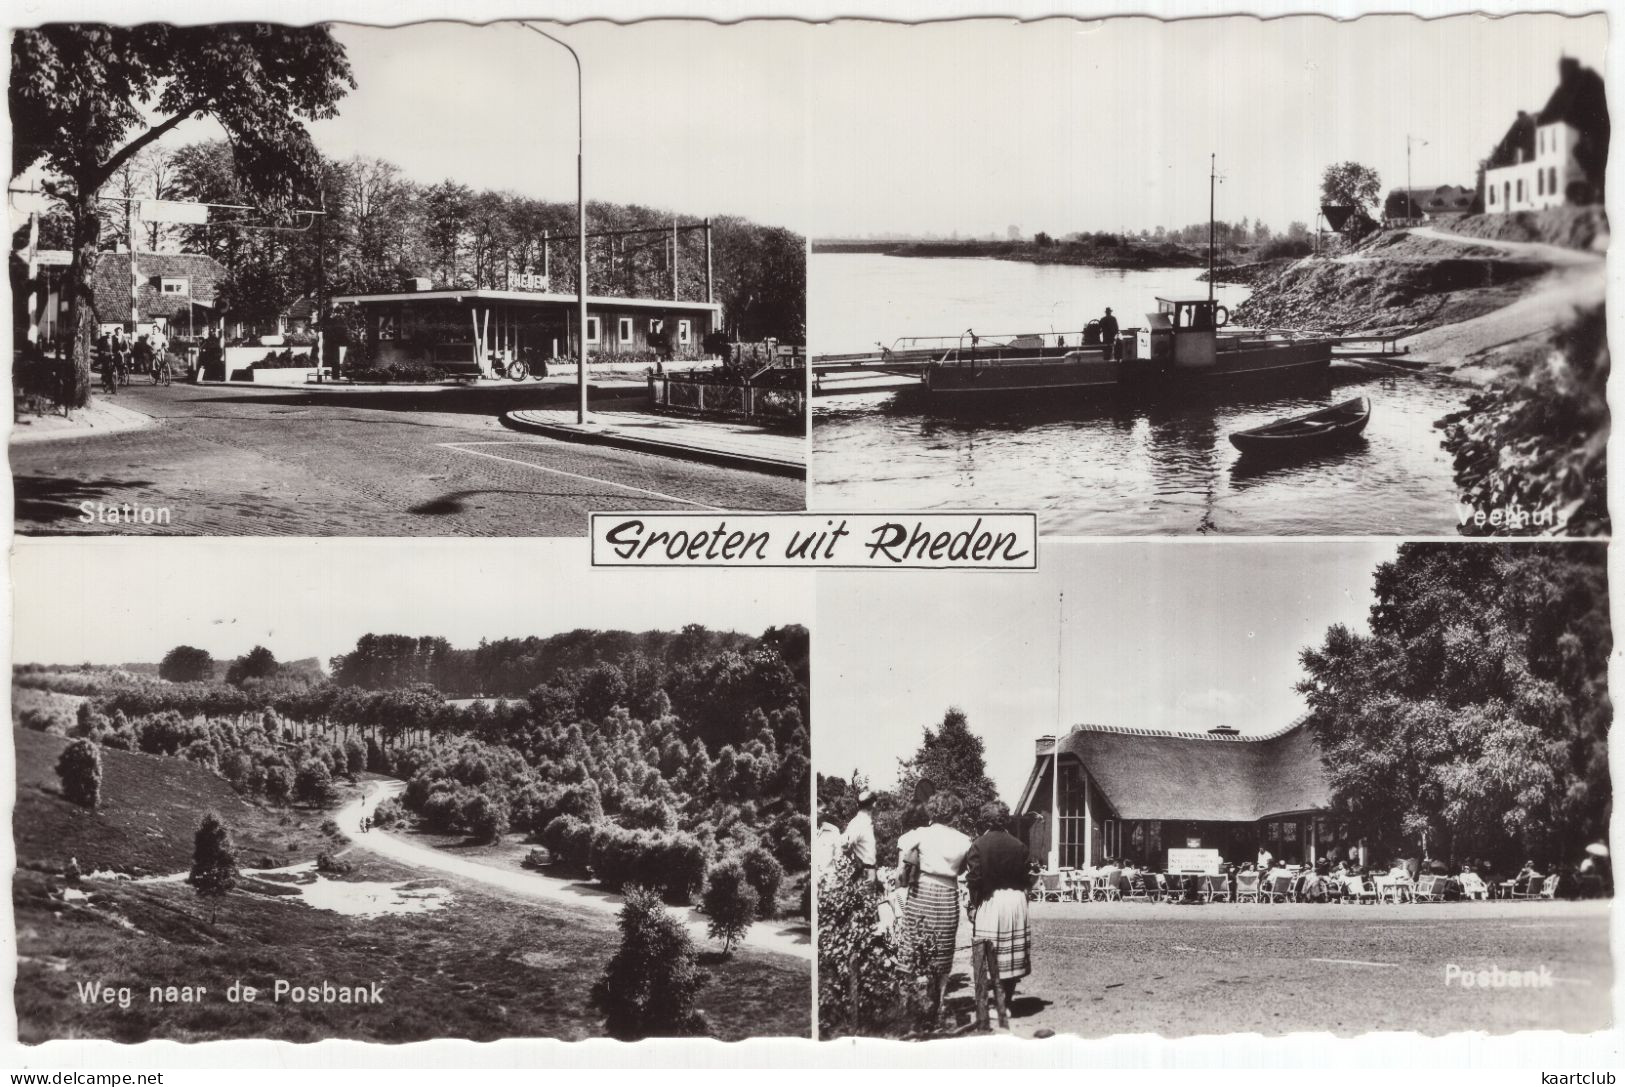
x,y
1100,792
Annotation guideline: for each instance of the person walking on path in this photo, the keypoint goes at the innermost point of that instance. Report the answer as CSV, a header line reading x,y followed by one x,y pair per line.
x,y
996,876
933,905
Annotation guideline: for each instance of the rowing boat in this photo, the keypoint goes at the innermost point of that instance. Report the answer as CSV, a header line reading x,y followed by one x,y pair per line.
x,y
1312,432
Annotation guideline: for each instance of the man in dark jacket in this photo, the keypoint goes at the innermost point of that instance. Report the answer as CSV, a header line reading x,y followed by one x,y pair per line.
x,y
1108,335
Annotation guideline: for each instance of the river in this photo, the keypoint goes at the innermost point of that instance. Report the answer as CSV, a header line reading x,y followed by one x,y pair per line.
x,y
1112,468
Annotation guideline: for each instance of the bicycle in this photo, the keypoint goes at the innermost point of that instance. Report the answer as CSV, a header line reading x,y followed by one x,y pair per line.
x,y
109,377
160,371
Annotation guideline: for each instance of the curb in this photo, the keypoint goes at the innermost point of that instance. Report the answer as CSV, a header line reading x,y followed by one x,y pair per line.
x,y
724,458
135,420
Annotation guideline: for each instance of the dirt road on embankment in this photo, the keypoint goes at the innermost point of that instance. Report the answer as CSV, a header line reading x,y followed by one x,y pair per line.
x,y
1457,302
779,936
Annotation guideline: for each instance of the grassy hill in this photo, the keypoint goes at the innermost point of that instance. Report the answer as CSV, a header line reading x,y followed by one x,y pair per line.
x,y
487,967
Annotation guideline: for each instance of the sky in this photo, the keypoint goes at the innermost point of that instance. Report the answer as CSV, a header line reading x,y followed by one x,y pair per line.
x,y
1066,125
1180,635
862,127
132,600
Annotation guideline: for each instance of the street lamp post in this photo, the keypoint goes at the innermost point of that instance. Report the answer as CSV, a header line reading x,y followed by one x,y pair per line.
x,y
581,230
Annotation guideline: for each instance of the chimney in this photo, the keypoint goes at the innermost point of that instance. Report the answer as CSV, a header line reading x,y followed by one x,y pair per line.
x,y
1567,69
1224,732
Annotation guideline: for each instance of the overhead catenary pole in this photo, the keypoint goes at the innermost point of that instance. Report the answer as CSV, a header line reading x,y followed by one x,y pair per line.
x,y
710,294
1212,188
581,227
1055,747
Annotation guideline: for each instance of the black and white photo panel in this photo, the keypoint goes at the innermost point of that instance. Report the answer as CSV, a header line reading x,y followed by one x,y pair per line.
x,y
1286,276
1364,783
440,279
391,794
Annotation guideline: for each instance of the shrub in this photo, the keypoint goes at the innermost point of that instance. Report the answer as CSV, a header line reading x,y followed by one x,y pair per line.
x,y
277,785
326,862
569,841
355,756
1281,248
648,989
330,828
388,813
793,852
867,974
314,783
729,902
214,858
80,768
764,874
486,817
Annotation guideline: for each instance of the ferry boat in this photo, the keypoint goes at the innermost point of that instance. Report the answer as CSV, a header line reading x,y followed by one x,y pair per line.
x,y
1186,345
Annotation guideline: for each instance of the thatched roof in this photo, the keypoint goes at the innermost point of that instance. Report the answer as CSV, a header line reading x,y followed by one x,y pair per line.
x,y
1155,774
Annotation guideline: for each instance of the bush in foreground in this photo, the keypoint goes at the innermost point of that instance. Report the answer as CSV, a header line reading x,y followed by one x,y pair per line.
x,y
867,975
765,876
649,988
729,902
80,768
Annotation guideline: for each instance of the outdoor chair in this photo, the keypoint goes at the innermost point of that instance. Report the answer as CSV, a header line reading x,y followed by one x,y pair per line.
x,y
1526,888
1134,889
1247,887
1361,889
1280,889
1050,887
1472,886
1548,890
1104,889
1216,887
1430,889
1397,890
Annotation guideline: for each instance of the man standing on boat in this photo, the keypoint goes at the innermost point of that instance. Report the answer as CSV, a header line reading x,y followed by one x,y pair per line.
x,y
1108,336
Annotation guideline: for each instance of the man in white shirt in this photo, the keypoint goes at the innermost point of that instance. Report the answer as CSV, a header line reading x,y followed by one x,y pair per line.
x,y
859,838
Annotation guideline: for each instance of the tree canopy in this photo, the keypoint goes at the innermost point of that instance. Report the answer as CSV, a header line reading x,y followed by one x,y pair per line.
x,y
951,756
86,98
1350,184
1476,712
187,664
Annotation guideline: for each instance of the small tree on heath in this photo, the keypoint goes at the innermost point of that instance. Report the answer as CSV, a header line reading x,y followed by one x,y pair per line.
x,y
649,988
214,859
729,902
80,768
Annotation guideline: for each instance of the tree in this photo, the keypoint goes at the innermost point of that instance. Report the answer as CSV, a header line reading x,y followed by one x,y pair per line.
x,y
214,859
1473,719
729,902
314,783
1349,183
187,664
951,757
80,768
650,985
764,873
257,663
86,98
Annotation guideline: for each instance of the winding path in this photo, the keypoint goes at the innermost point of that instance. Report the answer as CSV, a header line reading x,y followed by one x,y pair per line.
x,y
771,936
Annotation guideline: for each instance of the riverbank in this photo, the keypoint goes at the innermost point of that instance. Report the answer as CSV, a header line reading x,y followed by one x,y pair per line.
x,y
1092,254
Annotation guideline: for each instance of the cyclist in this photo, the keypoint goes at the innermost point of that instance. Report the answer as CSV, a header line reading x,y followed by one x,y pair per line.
x,y
160,358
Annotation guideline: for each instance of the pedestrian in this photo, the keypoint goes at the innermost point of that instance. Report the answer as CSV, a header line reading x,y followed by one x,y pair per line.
x,y
859,839
933,905
1108,335
997,879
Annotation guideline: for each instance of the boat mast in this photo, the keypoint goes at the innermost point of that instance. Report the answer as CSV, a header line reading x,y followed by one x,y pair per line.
x,y
1212,185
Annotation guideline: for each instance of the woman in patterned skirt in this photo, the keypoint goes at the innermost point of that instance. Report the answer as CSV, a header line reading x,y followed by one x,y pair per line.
x,y
933,902
997,877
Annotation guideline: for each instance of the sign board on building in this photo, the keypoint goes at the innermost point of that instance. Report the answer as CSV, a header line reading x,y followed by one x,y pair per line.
x,y
1194,862
527,281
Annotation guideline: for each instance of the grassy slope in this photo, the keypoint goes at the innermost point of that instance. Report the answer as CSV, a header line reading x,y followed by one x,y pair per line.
x,y
489,967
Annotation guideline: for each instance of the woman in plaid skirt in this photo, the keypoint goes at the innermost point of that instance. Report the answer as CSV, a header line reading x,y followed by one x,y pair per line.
x,y
933,901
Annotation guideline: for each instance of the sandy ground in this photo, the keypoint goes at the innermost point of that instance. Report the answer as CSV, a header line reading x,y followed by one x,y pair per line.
x,y
776,936
1110,968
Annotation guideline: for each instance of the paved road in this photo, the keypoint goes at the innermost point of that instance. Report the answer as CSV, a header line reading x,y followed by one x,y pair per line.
x,y
1110,968
772,936
241,461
